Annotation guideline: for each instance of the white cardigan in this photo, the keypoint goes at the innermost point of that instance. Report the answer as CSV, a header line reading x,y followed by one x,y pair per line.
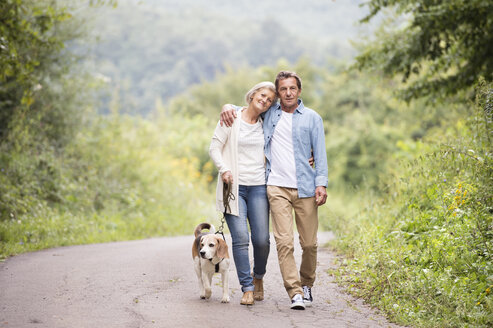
x,y
224,153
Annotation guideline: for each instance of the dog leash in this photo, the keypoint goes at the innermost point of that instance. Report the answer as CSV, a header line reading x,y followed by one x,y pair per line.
x,y
227,196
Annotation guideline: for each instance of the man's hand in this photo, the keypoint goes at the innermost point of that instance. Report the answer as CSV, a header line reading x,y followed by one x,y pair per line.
x,y
320,195
228,115
227,177
311,161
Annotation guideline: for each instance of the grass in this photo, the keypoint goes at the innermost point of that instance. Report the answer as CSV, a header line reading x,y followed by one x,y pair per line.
x,y
53,229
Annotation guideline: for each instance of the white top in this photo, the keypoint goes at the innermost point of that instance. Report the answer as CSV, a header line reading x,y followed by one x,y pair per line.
x,y
283,165
224,153
251,163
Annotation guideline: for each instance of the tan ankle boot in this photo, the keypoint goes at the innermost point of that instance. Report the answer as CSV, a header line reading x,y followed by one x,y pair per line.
x,y
258,292
247,298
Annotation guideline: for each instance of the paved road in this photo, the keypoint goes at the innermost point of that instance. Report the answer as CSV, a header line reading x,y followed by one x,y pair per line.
x,y
152,283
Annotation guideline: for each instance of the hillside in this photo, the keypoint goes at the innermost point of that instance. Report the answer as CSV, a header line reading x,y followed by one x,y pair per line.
x,y
156,49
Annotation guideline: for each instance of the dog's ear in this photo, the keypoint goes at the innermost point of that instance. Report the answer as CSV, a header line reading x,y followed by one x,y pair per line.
x,y
222,248
196,243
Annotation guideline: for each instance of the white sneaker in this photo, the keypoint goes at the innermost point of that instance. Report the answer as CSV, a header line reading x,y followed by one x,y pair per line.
x,y
307,296
297,302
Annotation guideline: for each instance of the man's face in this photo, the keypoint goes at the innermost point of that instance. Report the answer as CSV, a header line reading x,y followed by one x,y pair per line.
x,y
288,93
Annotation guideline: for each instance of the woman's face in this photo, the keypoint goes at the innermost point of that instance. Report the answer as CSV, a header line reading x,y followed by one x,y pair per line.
x,y
262,99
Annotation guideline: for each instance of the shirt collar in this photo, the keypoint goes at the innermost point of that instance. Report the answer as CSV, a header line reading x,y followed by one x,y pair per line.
x,y
300,109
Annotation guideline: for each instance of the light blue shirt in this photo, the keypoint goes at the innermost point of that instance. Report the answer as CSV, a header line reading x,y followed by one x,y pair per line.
x,y
308,135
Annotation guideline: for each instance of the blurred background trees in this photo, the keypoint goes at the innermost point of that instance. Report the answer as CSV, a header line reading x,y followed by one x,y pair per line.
x,y
164,47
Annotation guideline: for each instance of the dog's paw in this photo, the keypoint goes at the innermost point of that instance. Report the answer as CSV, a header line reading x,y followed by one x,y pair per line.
x,y
202,297
208,293
225,299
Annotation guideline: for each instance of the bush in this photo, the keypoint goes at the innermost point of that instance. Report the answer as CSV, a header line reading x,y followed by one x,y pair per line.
x,y
424,253
120,178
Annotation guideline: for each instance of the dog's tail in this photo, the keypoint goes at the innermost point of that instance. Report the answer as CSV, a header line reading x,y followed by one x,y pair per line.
x,y
203,226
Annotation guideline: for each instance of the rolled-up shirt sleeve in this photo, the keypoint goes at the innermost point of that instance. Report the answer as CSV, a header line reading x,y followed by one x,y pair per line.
x,y
320,155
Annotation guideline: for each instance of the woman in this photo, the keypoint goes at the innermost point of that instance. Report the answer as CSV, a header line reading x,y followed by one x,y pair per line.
x,y
238,152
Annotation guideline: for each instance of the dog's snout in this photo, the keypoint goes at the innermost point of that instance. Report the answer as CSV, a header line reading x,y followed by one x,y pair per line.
x,y
202,253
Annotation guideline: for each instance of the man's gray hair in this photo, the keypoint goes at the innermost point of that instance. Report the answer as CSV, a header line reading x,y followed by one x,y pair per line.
x,y
286,75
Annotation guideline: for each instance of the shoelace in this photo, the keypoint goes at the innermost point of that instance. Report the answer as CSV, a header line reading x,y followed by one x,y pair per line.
x,y
307,293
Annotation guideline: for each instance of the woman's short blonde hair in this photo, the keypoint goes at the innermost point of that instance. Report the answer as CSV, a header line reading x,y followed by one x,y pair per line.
x,y
262,85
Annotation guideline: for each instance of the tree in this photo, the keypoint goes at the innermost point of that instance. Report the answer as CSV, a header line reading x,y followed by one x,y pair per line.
x,y
35,61
443,48
42,97
28,45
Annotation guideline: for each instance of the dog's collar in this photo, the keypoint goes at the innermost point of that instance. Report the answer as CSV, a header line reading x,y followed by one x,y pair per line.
x,y
216,264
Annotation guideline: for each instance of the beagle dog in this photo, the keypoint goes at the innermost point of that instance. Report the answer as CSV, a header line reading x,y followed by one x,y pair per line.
x,y
210,255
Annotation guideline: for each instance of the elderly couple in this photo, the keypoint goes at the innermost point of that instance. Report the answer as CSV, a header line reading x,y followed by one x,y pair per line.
x,y
266,150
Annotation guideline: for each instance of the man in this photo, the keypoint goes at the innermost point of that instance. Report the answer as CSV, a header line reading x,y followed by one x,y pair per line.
x,y
292,133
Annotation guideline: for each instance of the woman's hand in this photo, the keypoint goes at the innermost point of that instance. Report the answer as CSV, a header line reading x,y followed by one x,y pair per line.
x,y
227,177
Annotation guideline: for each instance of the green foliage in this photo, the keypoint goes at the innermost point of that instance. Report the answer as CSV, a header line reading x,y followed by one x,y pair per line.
x,y
69,176
31,45
41,89
424,254
39,103
368,127
164,47
231,86
442,48
363,125
120,178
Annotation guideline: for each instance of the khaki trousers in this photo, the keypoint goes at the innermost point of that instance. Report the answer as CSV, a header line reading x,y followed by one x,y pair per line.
x,y
282,203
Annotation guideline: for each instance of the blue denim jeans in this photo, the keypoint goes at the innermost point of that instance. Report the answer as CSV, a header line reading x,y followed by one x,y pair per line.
x,y
254,211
